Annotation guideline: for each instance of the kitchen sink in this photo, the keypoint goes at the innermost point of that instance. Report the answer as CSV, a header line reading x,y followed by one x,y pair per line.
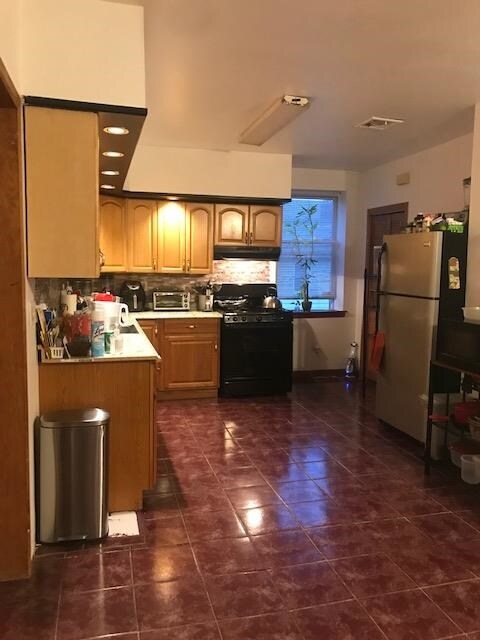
x,y
130,329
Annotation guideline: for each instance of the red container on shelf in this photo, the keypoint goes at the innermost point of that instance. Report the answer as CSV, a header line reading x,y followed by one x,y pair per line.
x,y
462,411
104,297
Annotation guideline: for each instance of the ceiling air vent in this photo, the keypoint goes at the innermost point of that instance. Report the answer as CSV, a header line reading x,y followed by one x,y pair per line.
x,y
376,122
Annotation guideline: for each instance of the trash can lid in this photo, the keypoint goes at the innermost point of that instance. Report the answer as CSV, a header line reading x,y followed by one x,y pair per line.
x,y
74,418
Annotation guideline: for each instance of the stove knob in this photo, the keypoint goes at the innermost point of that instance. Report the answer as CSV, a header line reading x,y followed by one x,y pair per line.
x,y
259,318
235,318
244,318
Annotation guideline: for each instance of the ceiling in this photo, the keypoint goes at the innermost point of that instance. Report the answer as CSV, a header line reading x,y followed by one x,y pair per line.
x,y
213,66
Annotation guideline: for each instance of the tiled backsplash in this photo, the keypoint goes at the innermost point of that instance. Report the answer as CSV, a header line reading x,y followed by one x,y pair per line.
x,y
237,271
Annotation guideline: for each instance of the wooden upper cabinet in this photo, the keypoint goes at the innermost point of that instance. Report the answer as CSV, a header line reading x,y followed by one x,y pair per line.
x,y
113,233
231,224
61,160
199,238
265,228
142,235
171,237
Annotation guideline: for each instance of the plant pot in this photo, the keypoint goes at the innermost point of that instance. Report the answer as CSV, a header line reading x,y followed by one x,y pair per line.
x,y
306,305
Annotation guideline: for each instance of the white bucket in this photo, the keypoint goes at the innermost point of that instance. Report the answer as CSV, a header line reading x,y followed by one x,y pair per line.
x,y
471,469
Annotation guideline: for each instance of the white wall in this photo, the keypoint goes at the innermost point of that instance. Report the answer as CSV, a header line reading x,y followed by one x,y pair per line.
x,y
10,38
473,288
436,176
85,50
200,171
323,343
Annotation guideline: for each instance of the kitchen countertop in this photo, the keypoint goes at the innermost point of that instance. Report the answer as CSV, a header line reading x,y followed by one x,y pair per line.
x,y
136,346
161,315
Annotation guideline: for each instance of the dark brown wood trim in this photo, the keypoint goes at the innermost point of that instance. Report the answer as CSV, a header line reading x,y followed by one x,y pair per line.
x,y
8,94
77,105
15,542
189,197
319,314
313,375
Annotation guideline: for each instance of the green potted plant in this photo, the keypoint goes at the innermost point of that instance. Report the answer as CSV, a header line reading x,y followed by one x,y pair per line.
x,y
303,230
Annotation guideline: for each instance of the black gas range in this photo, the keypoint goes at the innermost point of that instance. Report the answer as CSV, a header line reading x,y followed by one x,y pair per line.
x,y
256,351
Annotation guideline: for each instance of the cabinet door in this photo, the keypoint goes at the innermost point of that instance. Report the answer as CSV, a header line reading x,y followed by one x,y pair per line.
x,y
171,237
113,233
190,362
152,329
199,238
231,224
142,234
265,226
61,163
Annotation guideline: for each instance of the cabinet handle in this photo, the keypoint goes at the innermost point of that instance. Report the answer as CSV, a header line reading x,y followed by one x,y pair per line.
x,y
216,347
101,258
191,326
251,237
188,265
246,237
154,264
156,330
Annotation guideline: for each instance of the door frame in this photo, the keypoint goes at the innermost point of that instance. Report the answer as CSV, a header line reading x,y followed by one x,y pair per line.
x,y
15,537
389,209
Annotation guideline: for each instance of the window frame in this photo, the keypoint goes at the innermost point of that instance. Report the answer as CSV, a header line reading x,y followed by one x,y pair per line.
x,y
327,303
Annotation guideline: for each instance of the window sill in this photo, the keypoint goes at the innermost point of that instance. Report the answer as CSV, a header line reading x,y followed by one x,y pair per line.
x,y
319,314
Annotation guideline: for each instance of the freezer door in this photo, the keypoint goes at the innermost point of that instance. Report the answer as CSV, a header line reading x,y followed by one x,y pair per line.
x,y
402,382
411,264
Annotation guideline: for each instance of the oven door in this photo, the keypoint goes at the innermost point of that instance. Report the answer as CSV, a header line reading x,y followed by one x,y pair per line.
x,y
256,359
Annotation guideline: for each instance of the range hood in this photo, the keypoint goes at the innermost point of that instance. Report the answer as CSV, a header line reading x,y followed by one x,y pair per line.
x,y
245,252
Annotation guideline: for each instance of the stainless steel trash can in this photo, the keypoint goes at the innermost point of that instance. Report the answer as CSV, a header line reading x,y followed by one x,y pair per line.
x,y
72,459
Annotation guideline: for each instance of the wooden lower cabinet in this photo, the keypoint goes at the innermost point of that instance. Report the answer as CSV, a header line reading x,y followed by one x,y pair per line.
x,y
125,390
189,349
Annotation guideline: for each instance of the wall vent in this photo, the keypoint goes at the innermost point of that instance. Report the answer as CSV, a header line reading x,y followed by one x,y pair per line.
x,y
376,122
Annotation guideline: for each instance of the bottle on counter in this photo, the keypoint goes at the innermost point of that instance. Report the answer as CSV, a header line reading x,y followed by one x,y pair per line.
x,y
98,330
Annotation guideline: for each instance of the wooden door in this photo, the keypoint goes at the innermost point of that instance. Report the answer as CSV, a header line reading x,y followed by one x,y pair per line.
x,y
61,161
265,228
17,345
381,221
190,361
171,237
152,329
199,238
231,224
142,235
113,234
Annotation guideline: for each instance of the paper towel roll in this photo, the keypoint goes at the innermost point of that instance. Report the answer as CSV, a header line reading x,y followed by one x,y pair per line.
x,y
70,300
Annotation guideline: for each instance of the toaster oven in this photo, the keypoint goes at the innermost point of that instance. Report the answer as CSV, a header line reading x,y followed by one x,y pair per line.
x,y
171,301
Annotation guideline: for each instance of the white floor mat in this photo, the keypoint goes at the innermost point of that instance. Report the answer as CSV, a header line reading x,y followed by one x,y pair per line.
x,y
123,523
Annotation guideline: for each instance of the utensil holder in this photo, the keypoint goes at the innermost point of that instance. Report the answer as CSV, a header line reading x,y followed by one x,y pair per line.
x,y
56,353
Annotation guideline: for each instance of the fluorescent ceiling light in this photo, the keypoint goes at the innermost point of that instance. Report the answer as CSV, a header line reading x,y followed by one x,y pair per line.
x,y
277,116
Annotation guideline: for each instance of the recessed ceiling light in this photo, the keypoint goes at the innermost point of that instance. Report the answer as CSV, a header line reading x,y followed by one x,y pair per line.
x,y
110,172
173,198
107,186
116,131
113,154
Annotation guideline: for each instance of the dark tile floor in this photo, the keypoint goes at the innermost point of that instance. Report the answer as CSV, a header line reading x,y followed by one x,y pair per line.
x,y
272,519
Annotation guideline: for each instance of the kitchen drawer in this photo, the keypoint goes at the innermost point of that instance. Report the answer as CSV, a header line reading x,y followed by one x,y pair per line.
x,y
190,325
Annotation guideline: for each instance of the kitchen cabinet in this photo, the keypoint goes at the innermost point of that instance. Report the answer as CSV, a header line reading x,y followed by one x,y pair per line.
x,y
189,348
113,234
248,225
61,173
185,238
125,390
151,330
142,236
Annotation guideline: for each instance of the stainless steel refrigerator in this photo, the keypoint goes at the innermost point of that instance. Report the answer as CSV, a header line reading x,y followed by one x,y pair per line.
x,y
422,280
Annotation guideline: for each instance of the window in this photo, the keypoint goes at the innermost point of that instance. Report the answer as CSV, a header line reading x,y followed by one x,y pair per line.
x,y
322,288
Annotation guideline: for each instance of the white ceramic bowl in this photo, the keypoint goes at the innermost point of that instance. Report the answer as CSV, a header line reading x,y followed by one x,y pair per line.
x,y
471,314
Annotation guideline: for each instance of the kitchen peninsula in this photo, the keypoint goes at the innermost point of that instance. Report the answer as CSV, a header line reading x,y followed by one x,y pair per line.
x,y
123,385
